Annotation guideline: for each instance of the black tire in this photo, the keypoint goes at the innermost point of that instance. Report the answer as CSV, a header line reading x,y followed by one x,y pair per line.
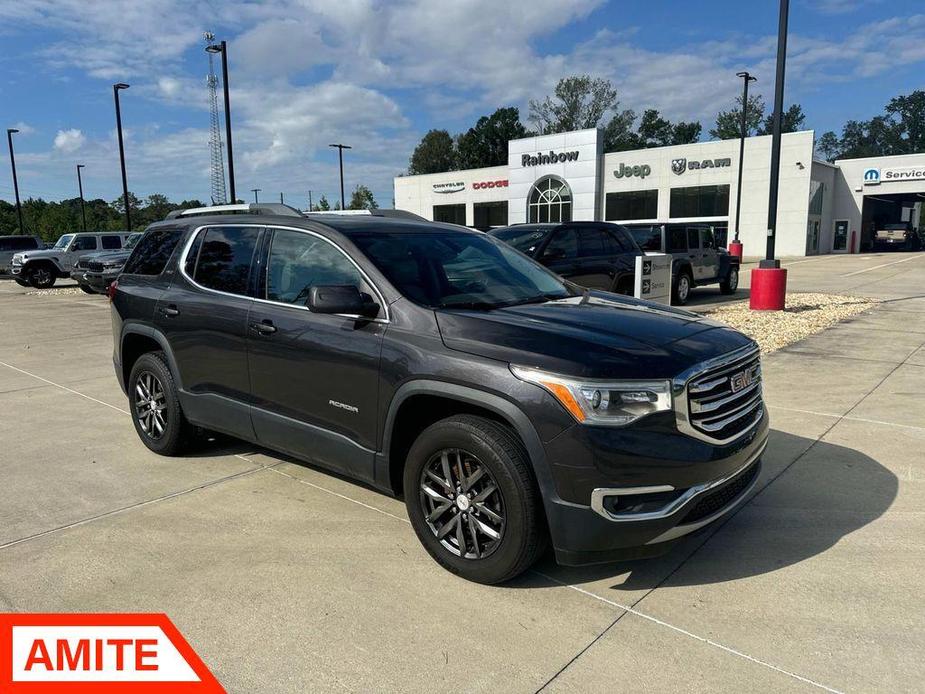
x,y
522,528
174,431
731,283
679,294
21,282
43,276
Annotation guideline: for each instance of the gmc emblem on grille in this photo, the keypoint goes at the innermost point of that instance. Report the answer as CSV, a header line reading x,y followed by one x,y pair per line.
x,y
743,379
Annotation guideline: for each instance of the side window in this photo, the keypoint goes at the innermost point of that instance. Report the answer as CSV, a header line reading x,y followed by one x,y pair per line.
x,y
706,239
677,240
564,244
189,265
7,245
300,261
225,258
153,251
84,243
590,242
627,241
111,242
26,243
692,238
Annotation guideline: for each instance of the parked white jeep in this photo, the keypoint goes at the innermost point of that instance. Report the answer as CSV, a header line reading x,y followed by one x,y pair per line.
x,y
42,268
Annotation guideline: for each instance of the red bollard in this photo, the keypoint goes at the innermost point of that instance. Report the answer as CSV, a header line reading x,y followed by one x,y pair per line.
x,y
768,290
735,249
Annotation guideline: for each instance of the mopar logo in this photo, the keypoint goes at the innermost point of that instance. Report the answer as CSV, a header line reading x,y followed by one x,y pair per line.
x,y
871,177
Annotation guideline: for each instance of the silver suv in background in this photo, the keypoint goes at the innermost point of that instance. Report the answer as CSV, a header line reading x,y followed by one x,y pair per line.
x,y
9,245
42,268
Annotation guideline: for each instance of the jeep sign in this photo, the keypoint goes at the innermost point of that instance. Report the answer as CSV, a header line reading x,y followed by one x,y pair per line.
x,y
653,277
638,170
550,158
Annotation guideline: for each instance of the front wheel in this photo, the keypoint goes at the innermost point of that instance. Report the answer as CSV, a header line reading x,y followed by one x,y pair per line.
x,y
731,283
472,499
42,277
21,282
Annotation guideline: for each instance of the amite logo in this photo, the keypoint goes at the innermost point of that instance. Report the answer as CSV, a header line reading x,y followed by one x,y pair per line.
x,y
99,653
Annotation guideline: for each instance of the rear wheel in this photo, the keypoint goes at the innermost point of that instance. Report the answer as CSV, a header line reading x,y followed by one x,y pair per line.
x,y
731,283
43,276
156,411
472,499
681,291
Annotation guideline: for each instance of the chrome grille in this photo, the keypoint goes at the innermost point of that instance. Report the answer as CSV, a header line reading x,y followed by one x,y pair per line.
x,y
95,266
725,400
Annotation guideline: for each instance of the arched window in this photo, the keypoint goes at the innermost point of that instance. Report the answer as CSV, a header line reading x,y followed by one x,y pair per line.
x,y
550,201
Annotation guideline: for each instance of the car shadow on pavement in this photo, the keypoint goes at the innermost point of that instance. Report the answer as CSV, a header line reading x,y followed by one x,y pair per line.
x,y
793,514
708,299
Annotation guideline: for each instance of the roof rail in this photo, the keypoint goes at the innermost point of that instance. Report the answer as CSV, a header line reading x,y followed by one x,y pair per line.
x,y
246,208
378,212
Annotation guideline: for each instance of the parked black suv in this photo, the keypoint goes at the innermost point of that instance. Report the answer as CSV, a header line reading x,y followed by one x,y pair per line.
x,y
507,405
596,255
697,259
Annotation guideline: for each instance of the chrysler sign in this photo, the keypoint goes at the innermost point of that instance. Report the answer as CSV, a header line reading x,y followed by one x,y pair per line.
x,y
549,158
679,166
449,187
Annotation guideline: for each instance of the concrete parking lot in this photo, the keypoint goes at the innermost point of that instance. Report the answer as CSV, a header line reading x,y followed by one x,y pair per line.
x,y
285,578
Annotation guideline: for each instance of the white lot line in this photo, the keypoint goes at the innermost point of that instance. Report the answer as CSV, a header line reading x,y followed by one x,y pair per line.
x,y
584,592
877,267
847,417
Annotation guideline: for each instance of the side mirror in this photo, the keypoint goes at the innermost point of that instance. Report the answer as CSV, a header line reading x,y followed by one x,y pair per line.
x,y
342,298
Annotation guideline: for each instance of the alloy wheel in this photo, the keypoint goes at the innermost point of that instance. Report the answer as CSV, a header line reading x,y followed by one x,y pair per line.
x,y
462,503
150,405
733,279
41,276
684,287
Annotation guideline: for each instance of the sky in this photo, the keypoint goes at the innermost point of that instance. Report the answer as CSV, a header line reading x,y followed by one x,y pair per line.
x,y
378,75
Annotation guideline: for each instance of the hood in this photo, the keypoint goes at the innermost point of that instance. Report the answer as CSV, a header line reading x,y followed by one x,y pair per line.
x,y
40,253
104,256
603,337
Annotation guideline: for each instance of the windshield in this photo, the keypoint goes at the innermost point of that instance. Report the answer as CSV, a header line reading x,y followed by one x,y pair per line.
x,y
63,241
524,239
132,241
450,269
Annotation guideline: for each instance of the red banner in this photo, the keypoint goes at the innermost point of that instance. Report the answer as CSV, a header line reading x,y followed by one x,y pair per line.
x,y
76,653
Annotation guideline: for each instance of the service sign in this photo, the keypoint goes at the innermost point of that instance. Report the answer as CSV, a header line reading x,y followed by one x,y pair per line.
x,y
653,277
69,652
874,176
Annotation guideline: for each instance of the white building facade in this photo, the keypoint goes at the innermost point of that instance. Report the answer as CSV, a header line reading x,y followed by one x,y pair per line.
x,y
822,208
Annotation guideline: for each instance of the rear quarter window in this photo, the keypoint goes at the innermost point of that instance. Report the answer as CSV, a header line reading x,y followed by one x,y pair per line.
x,y
153,251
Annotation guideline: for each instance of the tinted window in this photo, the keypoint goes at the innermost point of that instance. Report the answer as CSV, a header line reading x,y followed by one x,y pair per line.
x,y
111,242
192,255
6,245
225,258
445,269
700,201
84,243
300,261
564,244
591,242
453,214
524,238
706,239
648,238
635,204
489,214
677,239
26,243
693,241
153,251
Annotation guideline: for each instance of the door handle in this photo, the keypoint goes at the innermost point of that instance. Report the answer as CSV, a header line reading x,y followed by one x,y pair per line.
x,y
264,327
170,311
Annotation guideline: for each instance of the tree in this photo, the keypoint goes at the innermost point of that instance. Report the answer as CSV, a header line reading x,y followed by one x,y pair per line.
x,y
908,112
684,133
485,144
434,154
793,120
654,131
362,199
579,102
322,205
618,133
729,123
827,146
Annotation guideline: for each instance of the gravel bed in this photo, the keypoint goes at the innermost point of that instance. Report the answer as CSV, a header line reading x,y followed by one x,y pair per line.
x,y
61,291
805,315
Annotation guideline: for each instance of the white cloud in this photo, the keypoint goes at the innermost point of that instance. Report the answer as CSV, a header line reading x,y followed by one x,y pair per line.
x,y
69,140
24,128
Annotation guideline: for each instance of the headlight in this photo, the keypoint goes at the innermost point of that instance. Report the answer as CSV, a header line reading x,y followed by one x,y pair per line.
x,y
609,403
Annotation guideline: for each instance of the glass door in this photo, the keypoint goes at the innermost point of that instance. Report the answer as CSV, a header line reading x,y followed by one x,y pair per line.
x,y
840,238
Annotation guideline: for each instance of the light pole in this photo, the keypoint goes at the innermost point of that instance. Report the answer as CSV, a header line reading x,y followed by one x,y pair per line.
x,y
80,188
769,280
223,49
735,248
9,139
310,201
116,88
340,154
255,191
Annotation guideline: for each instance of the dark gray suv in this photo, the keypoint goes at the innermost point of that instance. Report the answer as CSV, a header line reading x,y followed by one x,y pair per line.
x,y
510,408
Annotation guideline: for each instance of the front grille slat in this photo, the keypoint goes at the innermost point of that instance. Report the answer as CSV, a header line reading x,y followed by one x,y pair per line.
x,y
726,400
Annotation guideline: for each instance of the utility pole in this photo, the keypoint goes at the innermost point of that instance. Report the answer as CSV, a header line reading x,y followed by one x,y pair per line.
x,y
340,154
9,139
116,88
736,247
80,188
255,191
281,199
309,201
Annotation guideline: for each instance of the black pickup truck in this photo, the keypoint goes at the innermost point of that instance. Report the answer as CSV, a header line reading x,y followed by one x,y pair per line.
x,y
697,259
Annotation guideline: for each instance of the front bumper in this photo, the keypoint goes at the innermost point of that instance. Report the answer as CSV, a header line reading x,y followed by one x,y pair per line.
x,y
655,501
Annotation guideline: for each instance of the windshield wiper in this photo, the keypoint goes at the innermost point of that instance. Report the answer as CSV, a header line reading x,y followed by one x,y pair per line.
x,y
473,305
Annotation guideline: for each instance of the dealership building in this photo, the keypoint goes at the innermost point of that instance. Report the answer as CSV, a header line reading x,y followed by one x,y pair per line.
x,y
822,208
